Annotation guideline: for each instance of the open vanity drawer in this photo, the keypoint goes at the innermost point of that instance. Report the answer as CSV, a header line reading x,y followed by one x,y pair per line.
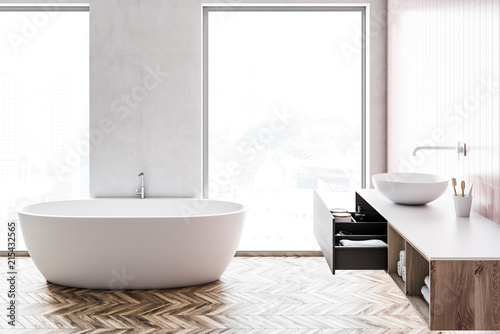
x,y
329,233
360,257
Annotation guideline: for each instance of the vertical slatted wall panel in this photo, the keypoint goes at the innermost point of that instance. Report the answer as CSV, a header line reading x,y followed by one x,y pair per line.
x,y
443,87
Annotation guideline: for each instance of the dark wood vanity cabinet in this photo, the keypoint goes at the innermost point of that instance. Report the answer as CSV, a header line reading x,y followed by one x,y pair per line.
x,y
371,226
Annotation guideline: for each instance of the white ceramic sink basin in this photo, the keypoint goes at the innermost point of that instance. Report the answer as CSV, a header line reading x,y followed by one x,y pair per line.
x,y
410,188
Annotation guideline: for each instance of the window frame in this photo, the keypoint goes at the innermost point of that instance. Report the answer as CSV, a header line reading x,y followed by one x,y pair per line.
x,y
362,8
45,7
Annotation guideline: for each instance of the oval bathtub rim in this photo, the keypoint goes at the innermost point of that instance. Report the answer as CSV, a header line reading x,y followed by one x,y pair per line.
x,y
243,209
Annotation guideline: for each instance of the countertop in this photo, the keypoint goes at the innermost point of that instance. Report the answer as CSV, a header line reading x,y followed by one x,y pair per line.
x,y
435,230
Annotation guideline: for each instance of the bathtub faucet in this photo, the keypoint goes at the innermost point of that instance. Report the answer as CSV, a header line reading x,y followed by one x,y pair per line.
x,y
140,191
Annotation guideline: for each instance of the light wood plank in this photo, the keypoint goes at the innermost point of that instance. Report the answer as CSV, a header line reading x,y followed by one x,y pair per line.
x,y
396,244
452,295
417,268
421,306
487,290
255,295
399,281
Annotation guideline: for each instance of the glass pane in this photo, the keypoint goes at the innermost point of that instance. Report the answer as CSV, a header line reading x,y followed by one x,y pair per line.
x,y
44,110
284,117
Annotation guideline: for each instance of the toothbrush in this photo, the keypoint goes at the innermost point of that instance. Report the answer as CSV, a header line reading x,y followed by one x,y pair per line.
x,y
462,185
454,184
469,194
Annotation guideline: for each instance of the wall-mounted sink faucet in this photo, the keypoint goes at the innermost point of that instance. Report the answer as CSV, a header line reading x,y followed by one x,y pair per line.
x,y
140,191
458,148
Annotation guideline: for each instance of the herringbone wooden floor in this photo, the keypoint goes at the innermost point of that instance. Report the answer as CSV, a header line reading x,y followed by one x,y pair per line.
x,y
255,295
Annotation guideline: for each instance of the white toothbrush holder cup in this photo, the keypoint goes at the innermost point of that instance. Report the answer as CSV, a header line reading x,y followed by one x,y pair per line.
x,y
462,205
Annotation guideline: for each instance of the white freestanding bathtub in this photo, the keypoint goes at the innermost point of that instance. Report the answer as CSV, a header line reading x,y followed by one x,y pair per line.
x,y
151,243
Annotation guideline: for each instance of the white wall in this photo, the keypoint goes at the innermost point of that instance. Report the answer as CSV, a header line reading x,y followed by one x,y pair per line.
x,y
145,94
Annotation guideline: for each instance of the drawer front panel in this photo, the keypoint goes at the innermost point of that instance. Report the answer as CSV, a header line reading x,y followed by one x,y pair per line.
x,y
350,258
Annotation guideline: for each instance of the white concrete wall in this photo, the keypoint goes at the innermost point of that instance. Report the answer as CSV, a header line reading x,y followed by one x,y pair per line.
x,y
145,94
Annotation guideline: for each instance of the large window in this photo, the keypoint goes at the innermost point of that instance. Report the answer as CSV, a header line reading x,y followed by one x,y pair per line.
x,y
284,113
44,107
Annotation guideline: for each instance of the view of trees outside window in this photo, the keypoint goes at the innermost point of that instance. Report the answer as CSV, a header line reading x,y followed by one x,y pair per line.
x,y
284,117
44,110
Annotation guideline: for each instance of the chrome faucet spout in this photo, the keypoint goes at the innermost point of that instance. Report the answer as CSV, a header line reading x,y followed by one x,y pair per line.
x,y
419,148
458,148
140,192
